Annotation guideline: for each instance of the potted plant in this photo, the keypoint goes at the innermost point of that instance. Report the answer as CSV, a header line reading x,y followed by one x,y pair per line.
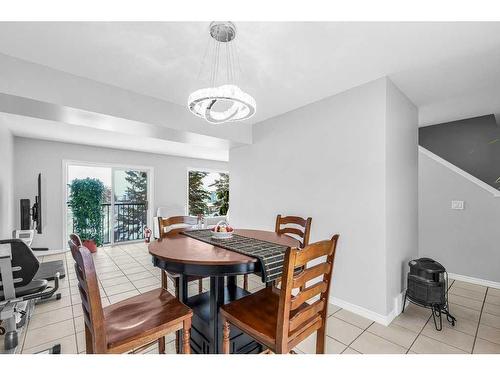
x,y
85,199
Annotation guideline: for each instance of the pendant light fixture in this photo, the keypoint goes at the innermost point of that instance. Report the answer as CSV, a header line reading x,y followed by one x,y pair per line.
x,y
223,100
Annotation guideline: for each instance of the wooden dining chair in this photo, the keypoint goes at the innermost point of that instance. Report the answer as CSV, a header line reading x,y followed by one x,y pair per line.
x,y
130,325
295,226
76,239
280,319
172,226
300,230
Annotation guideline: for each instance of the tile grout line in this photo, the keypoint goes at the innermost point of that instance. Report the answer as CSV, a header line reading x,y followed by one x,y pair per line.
x,y
479,321
136,289
357,337
428,319
46,325
419,333
44,343
392,342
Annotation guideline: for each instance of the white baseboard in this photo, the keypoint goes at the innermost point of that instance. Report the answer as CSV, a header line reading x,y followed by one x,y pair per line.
x,y
368,314
474,280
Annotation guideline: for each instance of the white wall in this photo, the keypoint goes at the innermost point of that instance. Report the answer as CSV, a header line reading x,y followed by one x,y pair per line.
x,y
401,190
466,242
328,160
6,181
34,156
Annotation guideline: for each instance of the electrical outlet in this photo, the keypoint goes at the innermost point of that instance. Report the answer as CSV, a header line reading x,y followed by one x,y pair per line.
x,y
457,205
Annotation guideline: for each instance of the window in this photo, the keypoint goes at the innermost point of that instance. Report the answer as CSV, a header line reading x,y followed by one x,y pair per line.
x,y
208,193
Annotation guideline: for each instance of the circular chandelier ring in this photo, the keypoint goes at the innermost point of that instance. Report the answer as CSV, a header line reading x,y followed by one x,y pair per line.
x,y
202,103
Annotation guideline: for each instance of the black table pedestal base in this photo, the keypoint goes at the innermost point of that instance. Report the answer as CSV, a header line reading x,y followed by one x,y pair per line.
x,y
206,330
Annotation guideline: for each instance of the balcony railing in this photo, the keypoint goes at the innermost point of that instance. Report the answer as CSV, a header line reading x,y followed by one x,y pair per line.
x,y
129,221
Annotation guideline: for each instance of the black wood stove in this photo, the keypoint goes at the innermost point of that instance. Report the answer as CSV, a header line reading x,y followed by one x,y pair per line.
x,y
428,287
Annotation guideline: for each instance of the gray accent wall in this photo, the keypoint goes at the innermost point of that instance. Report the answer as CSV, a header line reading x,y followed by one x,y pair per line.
x,y
471,144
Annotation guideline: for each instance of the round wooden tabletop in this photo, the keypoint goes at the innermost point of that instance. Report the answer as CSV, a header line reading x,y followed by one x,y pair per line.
x,y
180,253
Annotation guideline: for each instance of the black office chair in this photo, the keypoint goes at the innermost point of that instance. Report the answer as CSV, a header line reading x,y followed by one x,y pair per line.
x,y
18,267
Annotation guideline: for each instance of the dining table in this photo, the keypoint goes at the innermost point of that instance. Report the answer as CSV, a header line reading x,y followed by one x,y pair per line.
x,y
185,256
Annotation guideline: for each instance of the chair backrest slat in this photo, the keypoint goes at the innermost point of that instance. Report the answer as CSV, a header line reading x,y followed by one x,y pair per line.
x,y
319,249
89,293
309,274
314,314
302,233
306,294
307,314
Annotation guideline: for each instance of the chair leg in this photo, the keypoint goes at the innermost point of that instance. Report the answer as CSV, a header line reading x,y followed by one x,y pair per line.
x,y
164,280
200,286
161,345
178,336
245,282
320,339
225,337
89,347
186,345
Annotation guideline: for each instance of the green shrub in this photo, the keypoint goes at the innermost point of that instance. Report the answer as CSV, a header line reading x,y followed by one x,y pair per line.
x,y
85,198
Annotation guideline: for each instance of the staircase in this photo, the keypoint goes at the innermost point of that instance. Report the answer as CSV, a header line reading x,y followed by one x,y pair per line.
x,y
460,162
472,145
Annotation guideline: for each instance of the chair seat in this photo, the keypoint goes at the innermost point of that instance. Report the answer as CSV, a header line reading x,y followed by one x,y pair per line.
x,y
142,316
35,286
257,314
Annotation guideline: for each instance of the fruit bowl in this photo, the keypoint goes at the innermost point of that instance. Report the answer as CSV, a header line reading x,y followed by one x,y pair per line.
x,y
222,230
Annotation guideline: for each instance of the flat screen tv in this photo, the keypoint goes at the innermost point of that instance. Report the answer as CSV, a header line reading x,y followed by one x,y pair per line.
x,y
36,212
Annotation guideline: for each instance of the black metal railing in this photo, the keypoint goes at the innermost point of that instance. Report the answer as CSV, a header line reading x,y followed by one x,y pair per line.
x,y
129,221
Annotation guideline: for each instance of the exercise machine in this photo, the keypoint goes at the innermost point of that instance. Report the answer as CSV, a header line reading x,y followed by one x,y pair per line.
x,y
20,289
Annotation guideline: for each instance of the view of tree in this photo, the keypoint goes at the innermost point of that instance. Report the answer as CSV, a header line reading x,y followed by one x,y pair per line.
x,y
137,187
131,215
222,193
198,194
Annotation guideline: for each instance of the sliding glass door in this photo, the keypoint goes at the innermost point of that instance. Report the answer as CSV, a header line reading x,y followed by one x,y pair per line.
x,y
125,204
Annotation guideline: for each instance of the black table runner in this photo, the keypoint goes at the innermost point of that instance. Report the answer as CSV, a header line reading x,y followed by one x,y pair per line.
x,y
270,255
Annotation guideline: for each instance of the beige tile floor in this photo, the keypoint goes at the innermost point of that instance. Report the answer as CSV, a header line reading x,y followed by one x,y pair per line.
x,y
126,270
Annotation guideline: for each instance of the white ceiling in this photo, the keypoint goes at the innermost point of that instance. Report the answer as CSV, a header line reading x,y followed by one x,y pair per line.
x,y
285,65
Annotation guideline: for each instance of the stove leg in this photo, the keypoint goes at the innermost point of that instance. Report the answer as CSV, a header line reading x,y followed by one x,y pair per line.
x,y
450,318
436,312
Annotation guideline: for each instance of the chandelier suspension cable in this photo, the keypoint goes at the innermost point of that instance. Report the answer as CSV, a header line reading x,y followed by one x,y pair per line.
x,y
212,68
231,57
238,58
217,46
207,48
227,63
214,63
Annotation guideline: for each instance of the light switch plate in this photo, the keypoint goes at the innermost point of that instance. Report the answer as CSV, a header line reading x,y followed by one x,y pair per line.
x,y
457,205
